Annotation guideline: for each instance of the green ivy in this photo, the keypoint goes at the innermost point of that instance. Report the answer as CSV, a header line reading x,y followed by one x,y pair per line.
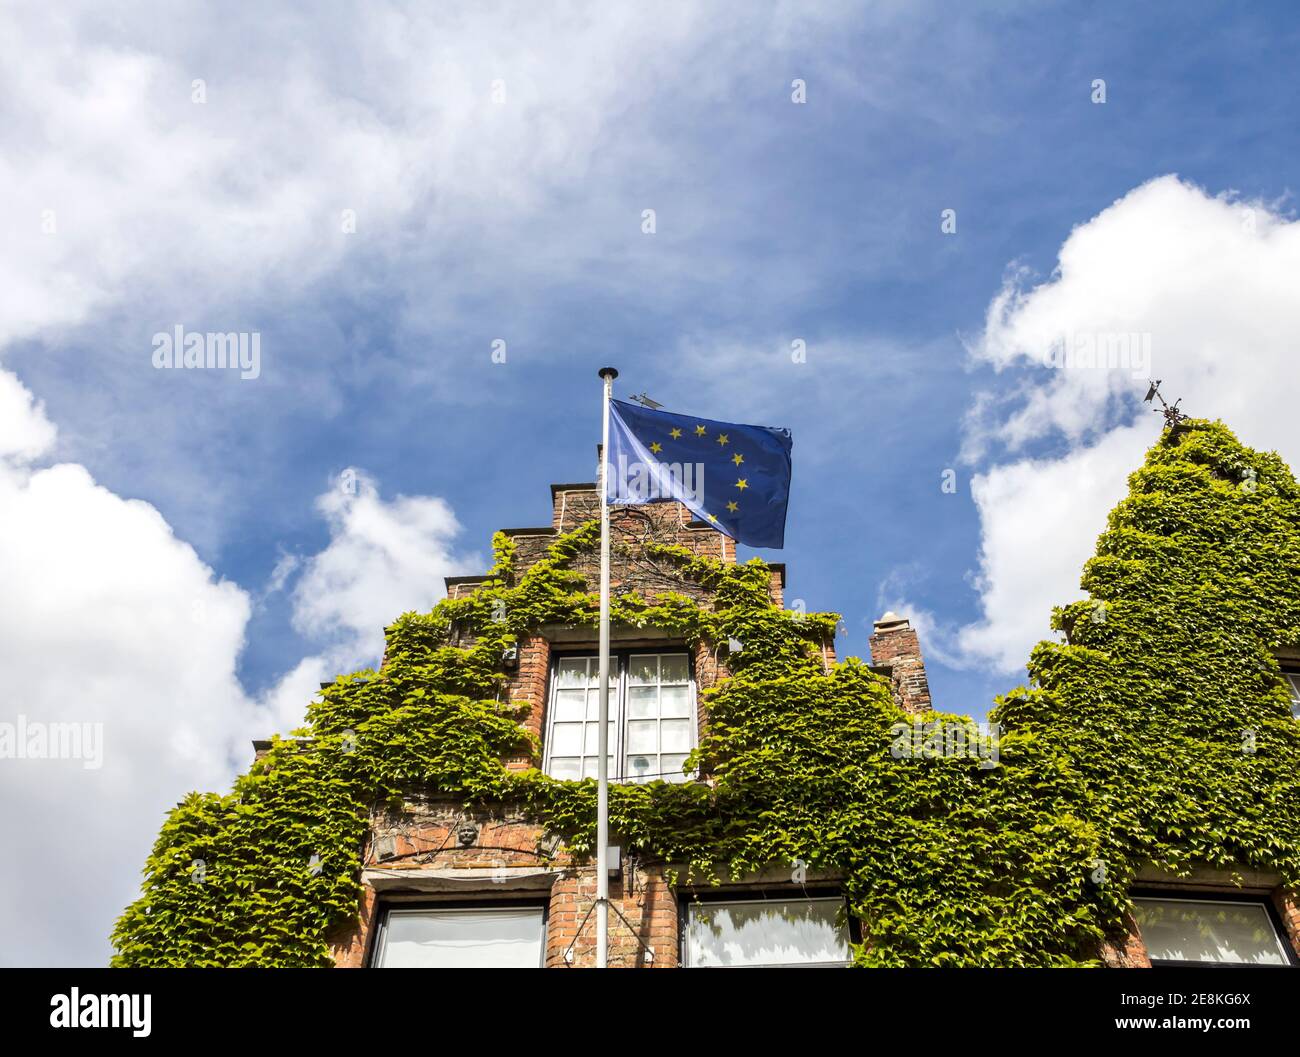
x,y
1158,732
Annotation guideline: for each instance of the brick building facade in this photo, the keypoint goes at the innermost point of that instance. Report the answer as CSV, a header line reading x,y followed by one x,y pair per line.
x,y
449,886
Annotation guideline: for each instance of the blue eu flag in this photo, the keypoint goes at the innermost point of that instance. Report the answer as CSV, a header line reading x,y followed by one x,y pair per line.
x,y
735,477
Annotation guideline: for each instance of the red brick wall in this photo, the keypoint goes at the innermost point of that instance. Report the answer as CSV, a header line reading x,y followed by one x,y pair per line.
x,y
1286,901
348,945
424,836
895,645
644,898
1131,953
528,683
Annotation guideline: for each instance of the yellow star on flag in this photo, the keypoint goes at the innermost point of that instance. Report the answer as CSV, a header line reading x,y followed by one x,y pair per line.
x,y
737,458
699,431
723,439
675,433
733,506
713,517
742,484
656,447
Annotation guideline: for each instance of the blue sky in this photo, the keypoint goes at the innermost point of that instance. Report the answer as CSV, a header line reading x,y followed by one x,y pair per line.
x,y
520,218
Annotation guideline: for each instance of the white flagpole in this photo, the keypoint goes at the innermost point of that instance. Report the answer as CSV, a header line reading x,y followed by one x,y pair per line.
x,y
608,374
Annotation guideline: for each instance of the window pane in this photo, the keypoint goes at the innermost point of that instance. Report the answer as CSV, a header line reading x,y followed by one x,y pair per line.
x,y
566,739
1192,931
592,745
675,701
658,687
509,938
569,705
566,770
642,768
643,671
772,932
591,764
572,734
674,668
671,768
642,736
675,735
638,702
572,671
642,702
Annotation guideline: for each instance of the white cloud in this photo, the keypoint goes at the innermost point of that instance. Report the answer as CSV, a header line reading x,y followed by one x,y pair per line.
x,y
384,558
25,432
286,565
1213,282
108,618
1040,521
131,208
431,125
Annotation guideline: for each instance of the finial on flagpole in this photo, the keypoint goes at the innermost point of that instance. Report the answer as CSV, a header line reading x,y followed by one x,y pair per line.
x,y
609,372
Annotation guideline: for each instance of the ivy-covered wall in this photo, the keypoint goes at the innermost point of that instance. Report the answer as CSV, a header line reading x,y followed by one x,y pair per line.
x,y
1157,732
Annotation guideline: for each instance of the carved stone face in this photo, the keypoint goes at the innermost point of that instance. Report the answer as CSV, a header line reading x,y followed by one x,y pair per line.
x,y
466,833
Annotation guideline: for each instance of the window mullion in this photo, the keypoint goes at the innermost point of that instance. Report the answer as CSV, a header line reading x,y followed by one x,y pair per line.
x,y
620,720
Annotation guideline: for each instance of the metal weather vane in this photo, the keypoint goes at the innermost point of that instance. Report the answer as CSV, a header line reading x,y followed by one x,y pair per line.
x,y
1173,416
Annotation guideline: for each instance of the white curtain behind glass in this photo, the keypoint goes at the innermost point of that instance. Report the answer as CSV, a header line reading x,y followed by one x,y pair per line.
x,y
463,939
1193,931
775,932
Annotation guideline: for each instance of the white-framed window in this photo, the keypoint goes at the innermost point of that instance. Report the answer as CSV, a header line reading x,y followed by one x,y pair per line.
x,y
1293,685
485,937
1222,932
801,932
652,721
